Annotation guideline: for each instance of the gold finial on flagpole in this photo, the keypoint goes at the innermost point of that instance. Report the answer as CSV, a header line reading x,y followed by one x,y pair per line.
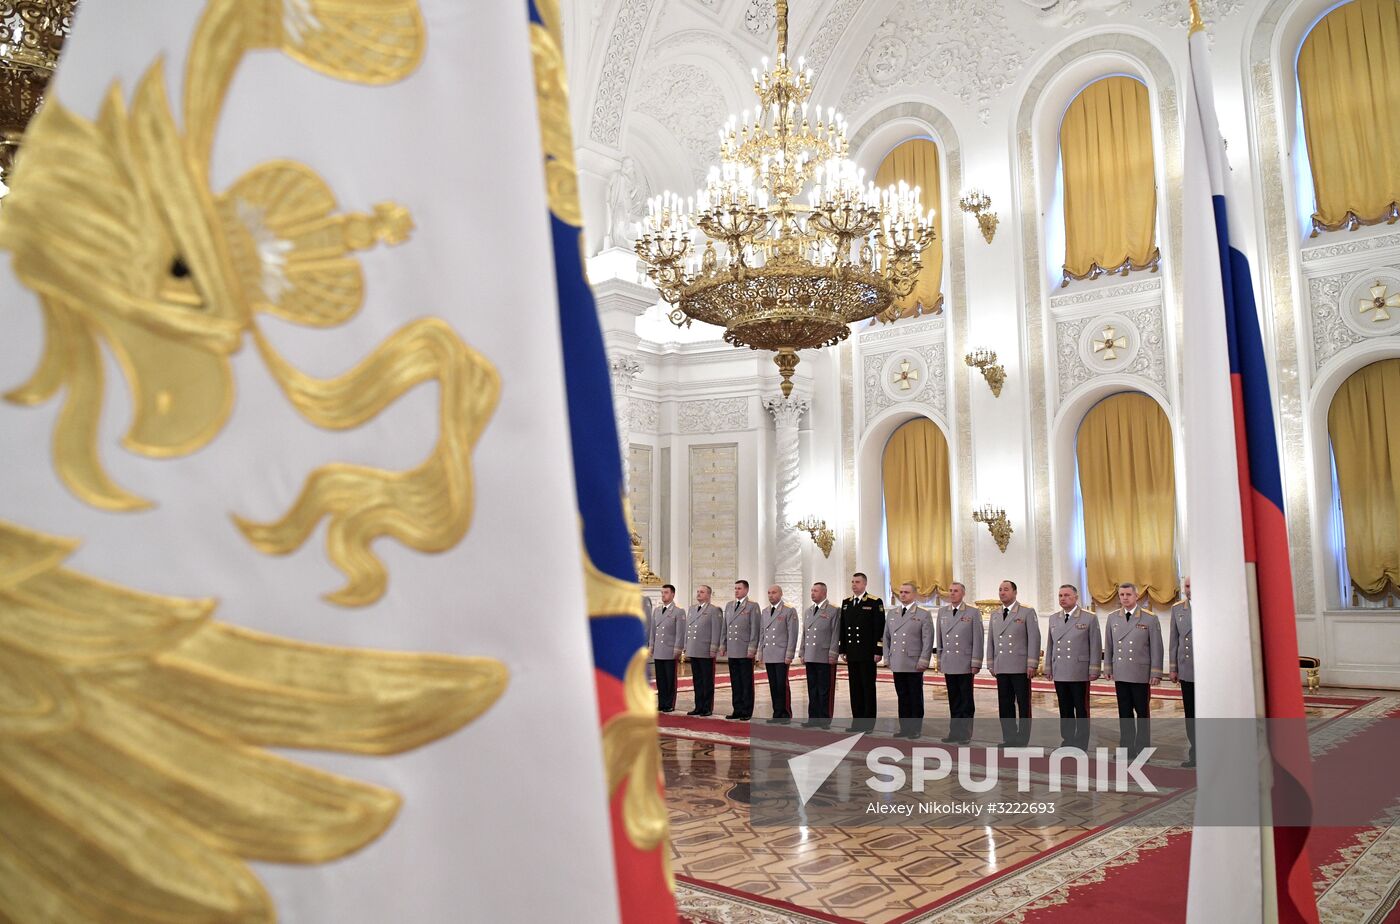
x,y
1197,24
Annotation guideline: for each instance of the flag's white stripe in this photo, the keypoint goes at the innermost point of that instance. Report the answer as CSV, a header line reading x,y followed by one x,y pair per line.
x,y
1225,884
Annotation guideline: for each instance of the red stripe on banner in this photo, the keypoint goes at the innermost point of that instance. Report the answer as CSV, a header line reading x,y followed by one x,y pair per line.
x,y
641,876
1283,698
1242,466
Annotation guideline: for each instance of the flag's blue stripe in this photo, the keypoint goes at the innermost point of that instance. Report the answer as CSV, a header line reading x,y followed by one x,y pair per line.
x,y
1247,361
593,436
615,640
593,431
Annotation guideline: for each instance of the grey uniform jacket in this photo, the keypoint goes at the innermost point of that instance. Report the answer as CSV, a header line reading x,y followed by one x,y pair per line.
x,y
1074,650
1132,649
821,635
704,631
741,629
667,632
959,639
778,638
1013,644
1179,654
908,638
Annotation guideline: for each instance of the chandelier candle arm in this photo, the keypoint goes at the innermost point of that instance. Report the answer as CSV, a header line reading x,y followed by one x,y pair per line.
x,y
787,244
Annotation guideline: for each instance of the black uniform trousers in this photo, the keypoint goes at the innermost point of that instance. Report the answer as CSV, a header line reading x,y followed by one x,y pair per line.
x,y
778,689
665,684
1188,703
961,706
703,671
861,671
741,687
1134,707
821,691
1014,707
1073,696
909,687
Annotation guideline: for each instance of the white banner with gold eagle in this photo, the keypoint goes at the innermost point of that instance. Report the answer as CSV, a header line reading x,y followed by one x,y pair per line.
x,y
292,617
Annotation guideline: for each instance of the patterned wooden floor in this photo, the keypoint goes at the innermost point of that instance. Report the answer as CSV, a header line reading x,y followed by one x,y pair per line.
x,y
735,873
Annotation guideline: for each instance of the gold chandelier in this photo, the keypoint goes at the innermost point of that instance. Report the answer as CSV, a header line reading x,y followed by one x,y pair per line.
x,y
777,273
31,38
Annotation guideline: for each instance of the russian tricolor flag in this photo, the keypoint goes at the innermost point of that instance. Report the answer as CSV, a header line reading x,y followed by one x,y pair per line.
x,y
1247,646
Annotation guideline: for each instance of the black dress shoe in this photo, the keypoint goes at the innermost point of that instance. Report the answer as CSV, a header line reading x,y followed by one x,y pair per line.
x,y
668,709
704,715
746,718
693,712
810,724
949,740
733,715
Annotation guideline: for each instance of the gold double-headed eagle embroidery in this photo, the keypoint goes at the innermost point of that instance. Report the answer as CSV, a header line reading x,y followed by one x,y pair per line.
x,y
135,778
112,222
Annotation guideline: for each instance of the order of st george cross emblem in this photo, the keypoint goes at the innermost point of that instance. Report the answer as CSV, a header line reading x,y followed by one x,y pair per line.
x,y
135,780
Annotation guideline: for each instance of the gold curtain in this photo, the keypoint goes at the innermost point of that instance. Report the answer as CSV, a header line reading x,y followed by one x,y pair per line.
x,y
1364,423
1349,78
1128,484
1110,180
919,507
916,163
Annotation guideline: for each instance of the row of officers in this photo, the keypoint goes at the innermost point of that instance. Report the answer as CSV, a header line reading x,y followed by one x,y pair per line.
x,y
909,640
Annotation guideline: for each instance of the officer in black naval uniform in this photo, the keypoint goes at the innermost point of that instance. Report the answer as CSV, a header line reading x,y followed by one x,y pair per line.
x,y
862,635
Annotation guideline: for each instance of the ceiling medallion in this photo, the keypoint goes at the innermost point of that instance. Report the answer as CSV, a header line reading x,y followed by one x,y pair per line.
x,y
777,273
31,37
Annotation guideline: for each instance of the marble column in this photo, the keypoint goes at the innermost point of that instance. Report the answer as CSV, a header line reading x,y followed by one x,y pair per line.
x,y
787,415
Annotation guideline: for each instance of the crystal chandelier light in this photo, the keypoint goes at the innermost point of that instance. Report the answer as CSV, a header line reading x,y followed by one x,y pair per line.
x,y
748,254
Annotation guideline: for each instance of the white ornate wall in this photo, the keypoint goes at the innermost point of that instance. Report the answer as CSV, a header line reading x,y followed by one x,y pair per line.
x,y
988,80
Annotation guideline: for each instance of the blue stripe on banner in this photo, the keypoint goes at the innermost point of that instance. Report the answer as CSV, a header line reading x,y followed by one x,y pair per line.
x,y
1247,361
593,430
615,640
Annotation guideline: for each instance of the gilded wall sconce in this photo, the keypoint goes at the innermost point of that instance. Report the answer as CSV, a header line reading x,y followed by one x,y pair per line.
x,y
976,202
997,524
821,534
986,362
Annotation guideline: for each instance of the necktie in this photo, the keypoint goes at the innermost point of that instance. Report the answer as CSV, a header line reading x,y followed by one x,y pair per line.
x,y
1066,618
955,612
815,609
1005,613
772,609
663,609
904,612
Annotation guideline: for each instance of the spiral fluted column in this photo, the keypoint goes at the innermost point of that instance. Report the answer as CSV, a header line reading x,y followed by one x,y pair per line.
x,y
787,416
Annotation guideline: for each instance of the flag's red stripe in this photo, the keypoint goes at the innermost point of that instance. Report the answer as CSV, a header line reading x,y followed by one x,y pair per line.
x,y
641,879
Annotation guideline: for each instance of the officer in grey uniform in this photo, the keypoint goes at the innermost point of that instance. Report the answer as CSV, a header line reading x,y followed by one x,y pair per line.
x,y
704,633
1073,658
908,645
741,627
667,640
1133,661
959,645
1182,665
821,641
1013,655
777,647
